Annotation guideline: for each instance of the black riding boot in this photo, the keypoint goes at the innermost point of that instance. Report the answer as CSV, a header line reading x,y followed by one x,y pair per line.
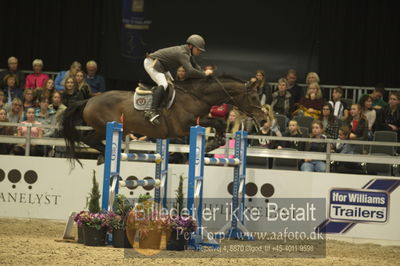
x,y
152,115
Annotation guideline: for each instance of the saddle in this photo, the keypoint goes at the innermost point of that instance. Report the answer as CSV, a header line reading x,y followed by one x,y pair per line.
x,y
143,97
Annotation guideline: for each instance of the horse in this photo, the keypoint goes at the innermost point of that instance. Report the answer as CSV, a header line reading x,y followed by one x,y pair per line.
x,y
193,101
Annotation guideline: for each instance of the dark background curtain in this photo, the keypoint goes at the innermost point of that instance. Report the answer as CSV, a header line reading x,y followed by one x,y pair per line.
x,y
345,42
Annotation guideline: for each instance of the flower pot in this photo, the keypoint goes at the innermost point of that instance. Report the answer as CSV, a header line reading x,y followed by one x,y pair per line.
x,y
80,234
94,237
176,241
150,240
120,239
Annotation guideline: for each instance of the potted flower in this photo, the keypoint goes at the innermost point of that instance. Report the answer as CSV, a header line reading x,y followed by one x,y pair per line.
x,y
117,222
147,220
95,223
78,221
181,227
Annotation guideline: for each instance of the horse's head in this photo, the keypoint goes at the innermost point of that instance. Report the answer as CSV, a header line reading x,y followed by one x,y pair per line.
x,y
244,95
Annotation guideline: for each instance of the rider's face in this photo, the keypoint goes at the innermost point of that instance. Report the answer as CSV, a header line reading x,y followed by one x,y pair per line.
x,y
196,51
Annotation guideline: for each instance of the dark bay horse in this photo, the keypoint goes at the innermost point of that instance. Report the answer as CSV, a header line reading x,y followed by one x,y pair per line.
x,y
193,100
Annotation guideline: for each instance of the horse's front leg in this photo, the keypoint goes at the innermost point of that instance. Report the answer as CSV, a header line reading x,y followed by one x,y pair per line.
x,y
219,125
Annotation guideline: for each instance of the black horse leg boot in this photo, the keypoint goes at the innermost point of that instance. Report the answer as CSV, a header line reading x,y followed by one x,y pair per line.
x,y
153,114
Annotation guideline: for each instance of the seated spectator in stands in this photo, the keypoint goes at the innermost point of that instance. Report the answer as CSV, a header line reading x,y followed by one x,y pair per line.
x,y
71,93
345,148
312,77
46,116
36,132
62,75
180,74
96,81
265,130
377,97
37,79
294,132
29,99
83,86
293,87
3,104
391,114
315,165
263,88
46,91
11,90
282,101
12,70
329,122
341,110
369,113
58,107
15,113
233,124
358,123
311,104
5,148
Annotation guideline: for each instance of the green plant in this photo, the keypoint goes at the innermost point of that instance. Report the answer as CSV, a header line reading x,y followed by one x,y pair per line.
x,y
94,203
179,195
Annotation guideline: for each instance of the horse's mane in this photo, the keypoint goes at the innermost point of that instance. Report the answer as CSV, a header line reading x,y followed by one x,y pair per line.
x,y
208,79
230,77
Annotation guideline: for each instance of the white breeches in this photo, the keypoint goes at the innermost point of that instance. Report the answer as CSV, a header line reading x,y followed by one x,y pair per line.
x,y
157,77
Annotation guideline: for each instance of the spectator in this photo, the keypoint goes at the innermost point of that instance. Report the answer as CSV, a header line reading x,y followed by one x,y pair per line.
x,y
12,70
180,74
96,81
294,132
15,113
5,148
46,116
36,132
311,104
282,100
251,127
57,105
3,104
377,97
391,114
312,77
28,99
47,90
330,122
37,79
315,165
71,93
83,86
232,126
293,87
358,123
11,90
263,88
265,130
369,113
340,108
62,75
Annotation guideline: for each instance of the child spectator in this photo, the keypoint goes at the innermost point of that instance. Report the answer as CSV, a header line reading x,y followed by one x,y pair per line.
x,y
315,165
83,86
71,93
180,74
263,88
57,105
294,132
265,130
63,75
37,79
340,108
369,113
330,122
29,99
36,132
282,100
46,116
311,104
358,123
233,124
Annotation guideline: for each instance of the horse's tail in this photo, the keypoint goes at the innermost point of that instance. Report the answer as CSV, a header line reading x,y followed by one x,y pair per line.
x,y
73,117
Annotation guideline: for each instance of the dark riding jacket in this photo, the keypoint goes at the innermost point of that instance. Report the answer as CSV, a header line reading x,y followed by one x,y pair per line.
x,y
171,58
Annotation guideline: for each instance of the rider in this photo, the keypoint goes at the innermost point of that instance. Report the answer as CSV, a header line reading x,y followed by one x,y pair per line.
x,y
159,64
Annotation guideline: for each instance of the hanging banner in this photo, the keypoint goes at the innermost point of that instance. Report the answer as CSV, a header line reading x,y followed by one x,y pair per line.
x,y
135,24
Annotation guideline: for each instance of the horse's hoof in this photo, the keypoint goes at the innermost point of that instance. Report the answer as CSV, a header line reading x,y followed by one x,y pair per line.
x,y
100,160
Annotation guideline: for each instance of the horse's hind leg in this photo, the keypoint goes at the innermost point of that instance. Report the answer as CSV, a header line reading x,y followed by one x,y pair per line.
x,y
94,141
